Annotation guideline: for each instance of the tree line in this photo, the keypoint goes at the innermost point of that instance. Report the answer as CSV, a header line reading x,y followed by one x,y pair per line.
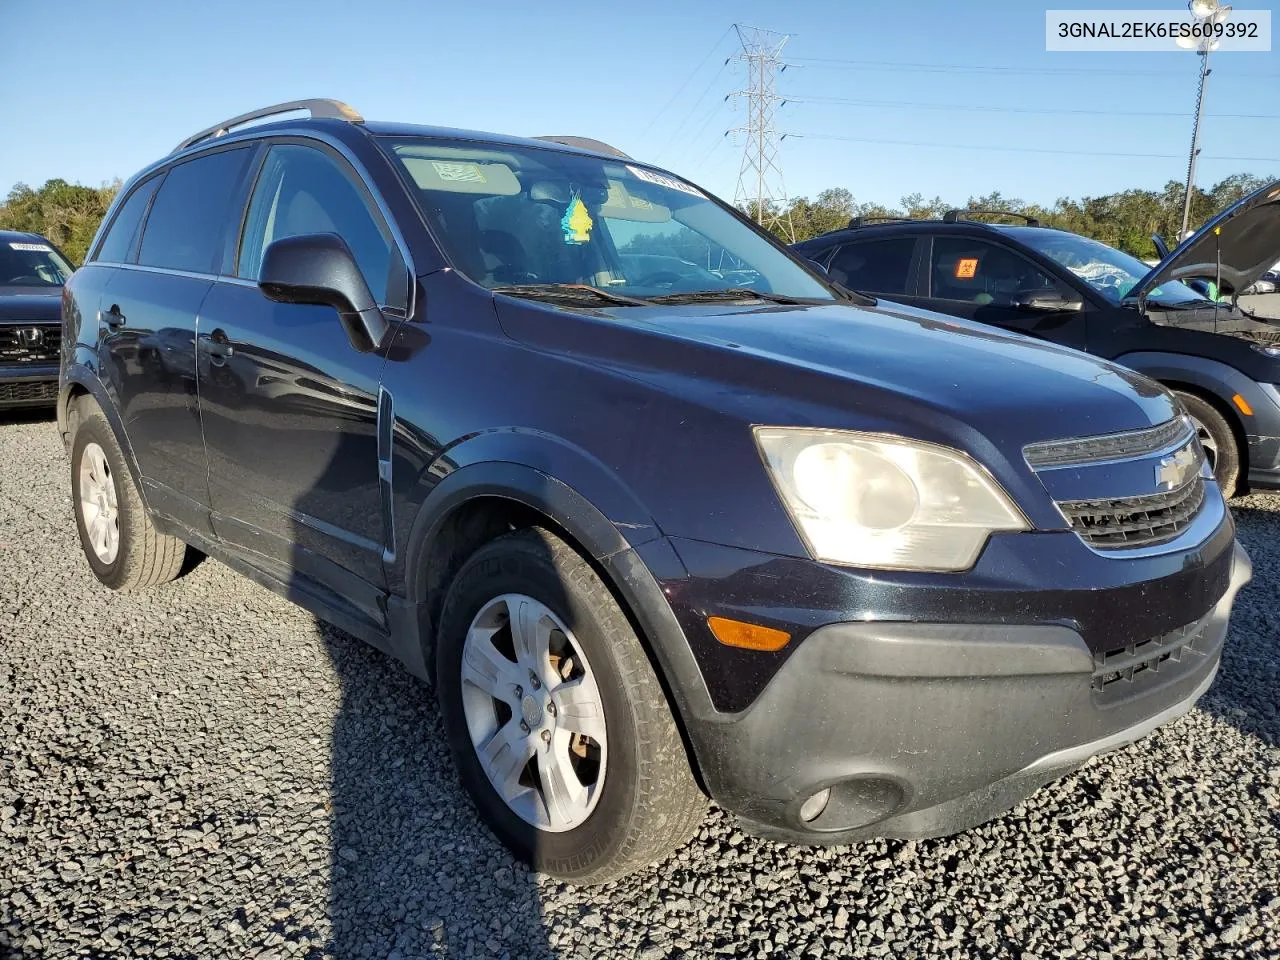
x,y
69,214
1126,219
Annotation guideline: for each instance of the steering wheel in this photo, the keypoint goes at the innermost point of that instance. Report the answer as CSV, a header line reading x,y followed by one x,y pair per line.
x,y
33,280
661,278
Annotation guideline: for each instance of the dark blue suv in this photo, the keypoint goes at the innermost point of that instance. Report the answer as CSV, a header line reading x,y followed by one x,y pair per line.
x,y
661,512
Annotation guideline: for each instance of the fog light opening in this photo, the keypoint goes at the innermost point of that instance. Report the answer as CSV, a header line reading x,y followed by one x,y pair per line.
x,y
812,808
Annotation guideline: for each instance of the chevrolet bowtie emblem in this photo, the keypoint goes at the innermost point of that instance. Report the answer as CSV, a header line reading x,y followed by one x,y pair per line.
x,y
1176,469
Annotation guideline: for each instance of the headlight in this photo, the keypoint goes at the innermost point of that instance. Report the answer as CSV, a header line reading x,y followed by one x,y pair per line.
x,y
1270,349
871,500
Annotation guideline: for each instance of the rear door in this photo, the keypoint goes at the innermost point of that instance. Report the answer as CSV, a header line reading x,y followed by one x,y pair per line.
x,y
880,266
290,408
984,280
147,328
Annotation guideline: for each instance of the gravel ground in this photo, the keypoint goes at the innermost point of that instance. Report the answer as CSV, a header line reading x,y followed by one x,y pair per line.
x,y
206,771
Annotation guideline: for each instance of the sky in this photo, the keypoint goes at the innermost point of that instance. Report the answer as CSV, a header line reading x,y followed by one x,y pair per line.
x,y
950,99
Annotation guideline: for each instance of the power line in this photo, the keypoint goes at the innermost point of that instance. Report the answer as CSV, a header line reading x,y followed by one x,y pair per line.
x,y
696,105
998,149
881,65
687,80
984,108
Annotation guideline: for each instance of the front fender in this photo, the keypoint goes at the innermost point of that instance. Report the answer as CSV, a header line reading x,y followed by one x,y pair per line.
x,y
544,472
1215,378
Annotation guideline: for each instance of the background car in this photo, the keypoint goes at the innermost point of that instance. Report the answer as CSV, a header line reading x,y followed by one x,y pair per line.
x,y
32,272
1221,360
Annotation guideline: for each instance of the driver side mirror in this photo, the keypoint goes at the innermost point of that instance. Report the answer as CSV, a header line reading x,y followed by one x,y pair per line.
x,y
318,268
1048,301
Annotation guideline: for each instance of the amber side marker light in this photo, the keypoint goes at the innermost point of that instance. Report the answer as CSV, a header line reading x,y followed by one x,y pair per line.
x,y
1240,402
748,636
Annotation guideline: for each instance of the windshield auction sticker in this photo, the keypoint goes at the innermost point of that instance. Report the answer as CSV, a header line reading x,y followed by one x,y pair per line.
x,y
1208,28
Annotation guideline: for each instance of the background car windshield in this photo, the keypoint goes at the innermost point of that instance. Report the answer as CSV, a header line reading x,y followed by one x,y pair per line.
x,y
31,263
1111,272
513,215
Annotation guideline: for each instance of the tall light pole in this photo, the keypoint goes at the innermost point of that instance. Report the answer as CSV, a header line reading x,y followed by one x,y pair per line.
x,y
1206,12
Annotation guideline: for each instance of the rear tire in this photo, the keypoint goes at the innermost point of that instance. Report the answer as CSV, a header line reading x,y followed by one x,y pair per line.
x,y
1217,438
123,547
635,799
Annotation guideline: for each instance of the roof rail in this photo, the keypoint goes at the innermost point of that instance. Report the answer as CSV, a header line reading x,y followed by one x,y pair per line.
x,y
862,221
333,109
955,216
586,143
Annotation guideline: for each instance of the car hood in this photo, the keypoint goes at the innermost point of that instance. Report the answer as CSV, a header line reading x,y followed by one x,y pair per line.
x,y
1244,238
24,304
953,378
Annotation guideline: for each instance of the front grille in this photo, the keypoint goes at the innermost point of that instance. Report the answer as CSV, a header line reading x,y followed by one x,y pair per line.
x,y
1146,657
1112,446
1129,522
39,391
29,344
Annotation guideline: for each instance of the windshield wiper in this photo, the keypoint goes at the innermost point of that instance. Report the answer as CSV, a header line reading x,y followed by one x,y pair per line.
x,y
569,291
732,293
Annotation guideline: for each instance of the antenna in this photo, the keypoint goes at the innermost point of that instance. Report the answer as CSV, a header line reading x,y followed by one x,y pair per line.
x,y
760,185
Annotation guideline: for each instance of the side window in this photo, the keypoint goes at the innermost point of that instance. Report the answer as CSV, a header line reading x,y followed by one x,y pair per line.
x,y
979,271
118,243
188,220
874,266
302,190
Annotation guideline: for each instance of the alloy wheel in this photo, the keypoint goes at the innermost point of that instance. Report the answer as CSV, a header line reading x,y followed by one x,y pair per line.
x,y
534,712
99,509
1209,444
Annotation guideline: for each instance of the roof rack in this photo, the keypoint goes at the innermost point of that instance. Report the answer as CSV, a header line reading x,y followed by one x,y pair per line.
x,y
955,216
332,109
862,221
586,143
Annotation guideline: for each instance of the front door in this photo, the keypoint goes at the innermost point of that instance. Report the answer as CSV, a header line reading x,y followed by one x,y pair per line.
x,y
290,408
986,281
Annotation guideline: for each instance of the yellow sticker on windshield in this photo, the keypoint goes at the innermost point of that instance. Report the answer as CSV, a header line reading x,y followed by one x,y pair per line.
x,y
576,222
966,268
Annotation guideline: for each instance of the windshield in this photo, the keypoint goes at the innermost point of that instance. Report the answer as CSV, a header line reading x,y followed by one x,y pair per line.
x,y
1111,272
31,263
547,223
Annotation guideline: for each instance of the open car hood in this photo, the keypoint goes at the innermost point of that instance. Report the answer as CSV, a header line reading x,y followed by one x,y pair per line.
x,y
1245,238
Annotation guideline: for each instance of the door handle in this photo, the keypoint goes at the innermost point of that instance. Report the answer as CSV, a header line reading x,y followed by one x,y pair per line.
x,y
217,346
112,317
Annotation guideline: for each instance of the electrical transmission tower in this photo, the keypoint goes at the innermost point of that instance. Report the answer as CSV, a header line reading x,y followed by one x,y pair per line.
x,y
760,186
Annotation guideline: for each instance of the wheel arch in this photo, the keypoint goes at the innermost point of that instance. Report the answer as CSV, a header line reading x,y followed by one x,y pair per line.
x,y
1212,381
79,382
481,501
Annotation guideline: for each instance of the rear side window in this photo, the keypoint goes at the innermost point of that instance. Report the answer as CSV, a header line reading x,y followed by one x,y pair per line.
x,y
874,266
978,271
186,227
118,242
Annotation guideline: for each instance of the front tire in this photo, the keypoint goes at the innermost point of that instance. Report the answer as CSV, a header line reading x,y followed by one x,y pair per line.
x,y
1217,438
559,727
123,547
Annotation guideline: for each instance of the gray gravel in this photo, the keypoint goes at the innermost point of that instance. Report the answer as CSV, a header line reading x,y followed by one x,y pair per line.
x,y
205,771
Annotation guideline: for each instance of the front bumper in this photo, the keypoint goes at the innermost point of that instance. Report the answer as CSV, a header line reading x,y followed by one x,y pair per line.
x,y
923,730
1264,463
28,386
